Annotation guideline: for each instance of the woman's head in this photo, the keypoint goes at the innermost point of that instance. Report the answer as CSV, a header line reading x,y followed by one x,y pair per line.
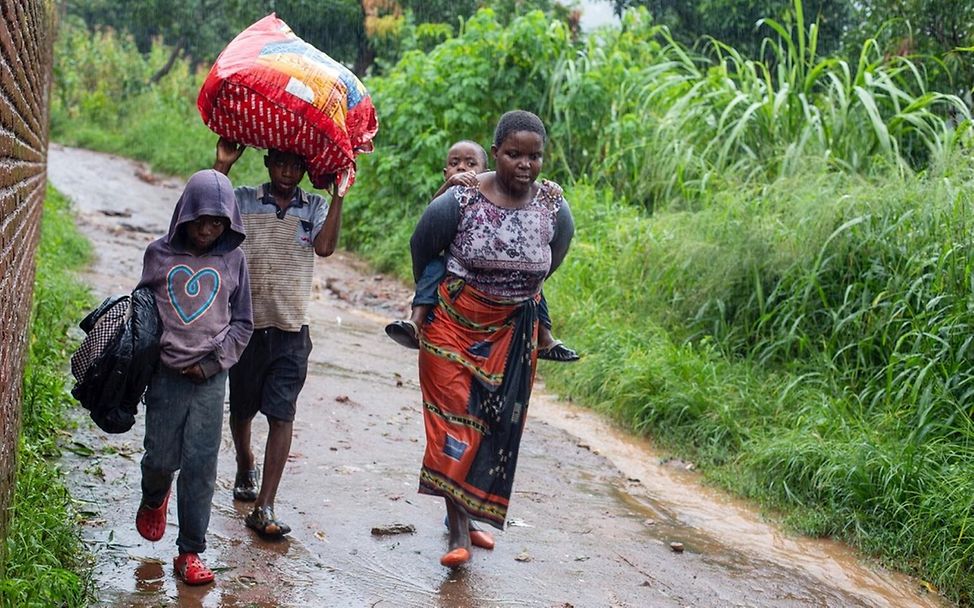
x,y
518,150
518,120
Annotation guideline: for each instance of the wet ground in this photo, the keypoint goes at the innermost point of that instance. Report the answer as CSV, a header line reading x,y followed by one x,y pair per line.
x,y
593,519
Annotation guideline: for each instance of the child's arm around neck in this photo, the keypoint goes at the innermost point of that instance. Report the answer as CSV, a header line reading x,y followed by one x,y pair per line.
x,y
468,179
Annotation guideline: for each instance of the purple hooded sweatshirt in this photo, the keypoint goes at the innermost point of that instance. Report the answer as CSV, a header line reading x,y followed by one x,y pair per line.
x,y
203,300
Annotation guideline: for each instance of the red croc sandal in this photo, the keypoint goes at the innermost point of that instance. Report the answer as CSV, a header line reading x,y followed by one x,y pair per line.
x,y
482,539
478,538
191,570
151,523
455,558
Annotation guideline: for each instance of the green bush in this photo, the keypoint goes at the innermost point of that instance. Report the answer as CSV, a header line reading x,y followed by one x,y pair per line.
x,y
428,101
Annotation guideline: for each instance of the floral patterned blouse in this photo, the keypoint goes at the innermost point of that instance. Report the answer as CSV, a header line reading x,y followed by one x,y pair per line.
x,y
506,253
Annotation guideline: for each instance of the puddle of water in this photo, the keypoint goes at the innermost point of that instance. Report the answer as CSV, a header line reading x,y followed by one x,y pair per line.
x,y
714,524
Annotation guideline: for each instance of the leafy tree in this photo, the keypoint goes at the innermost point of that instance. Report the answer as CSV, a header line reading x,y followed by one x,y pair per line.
x,y
441,11
337,27
937,25
355,32
200,29
428,100
943,30
735,22
197,28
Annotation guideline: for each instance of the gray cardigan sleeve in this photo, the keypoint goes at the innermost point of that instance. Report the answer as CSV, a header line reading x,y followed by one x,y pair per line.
x,y
564,231
434,231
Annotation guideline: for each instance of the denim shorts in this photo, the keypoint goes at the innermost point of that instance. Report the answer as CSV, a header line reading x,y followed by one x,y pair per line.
x,y
270,374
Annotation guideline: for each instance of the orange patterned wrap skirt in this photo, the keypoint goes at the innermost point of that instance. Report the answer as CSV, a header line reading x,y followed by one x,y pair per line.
x,y
476,368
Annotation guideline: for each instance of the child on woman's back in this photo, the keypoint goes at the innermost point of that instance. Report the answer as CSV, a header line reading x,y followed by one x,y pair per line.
x,y
199,278
464,160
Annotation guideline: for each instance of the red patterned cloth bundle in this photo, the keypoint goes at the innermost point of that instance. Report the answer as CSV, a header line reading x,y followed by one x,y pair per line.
x,y
270,89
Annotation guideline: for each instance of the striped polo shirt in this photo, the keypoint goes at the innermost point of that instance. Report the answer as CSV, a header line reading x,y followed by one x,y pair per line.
x,y
280,254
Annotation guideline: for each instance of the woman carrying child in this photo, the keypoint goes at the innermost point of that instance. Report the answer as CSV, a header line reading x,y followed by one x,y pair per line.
x,y
199,278
465,160
478,354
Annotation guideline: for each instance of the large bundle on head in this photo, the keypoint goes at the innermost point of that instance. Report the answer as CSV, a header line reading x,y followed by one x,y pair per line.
x,y
270,89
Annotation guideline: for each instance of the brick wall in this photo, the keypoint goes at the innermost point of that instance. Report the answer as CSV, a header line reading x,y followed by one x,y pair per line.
x,y
26,36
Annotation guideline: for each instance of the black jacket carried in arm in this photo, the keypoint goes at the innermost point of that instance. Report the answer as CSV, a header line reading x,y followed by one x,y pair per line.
x,y
116,359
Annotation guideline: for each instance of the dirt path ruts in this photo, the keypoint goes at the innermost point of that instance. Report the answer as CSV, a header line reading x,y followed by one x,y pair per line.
x,y
592,516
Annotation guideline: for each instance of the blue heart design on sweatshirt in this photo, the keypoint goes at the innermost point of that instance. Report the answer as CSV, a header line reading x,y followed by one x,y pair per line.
x,y
190,293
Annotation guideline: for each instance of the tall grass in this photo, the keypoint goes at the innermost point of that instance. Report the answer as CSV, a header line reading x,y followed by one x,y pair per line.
x,y
45,559
838,392
676,124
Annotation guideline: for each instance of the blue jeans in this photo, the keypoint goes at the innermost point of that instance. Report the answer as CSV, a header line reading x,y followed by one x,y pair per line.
x,y
434,272
183,423
426,286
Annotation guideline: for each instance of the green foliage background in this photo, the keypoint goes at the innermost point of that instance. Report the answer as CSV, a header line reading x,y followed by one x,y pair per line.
x,y
772,268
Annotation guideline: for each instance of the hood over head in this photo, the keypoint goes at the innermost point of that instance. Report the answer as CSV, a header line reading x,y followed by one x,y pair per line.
x,y
207,192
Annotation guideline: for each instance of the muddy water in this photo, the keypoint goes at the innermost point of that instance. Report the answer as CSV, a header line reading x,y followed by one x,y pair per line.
x,y
591,522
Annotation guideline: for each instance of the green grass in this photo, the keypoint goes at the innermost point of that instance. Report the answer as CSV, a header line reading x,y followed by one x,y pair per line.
x,y
46,563
805,343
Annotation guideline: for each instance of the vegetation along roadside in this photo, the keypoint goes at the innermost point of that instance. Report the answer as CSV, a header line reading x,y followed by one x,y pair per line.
x,y
45,560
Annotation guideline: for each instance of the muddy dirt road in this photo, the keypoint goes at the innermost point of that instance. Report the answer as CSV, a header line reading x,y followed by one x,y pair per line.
x,y
593,514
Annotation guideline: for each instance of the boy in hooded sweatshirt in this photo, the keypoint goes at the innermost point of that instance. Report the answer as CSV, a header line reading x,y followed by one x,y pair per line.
x,y
199,277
